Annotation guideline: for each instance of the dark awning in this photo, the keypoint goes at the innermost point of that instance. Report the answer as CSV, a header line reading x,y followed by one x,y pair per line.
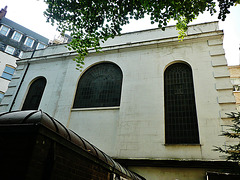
x,y
37,118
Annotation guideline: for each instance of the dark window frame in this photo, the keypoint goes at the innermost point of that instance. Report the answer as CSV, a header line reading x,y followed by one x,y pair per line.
x,y
34,94
181,123
99,86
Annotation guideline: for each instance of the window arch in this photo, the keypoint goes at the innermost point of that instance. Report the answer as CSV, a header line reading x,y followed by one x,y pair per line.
x,y
181,125
99,86
34,94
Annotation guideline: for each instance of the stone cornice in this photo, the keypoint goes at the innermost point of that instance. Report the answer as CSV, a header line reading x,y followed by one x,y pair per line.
x,y
132,40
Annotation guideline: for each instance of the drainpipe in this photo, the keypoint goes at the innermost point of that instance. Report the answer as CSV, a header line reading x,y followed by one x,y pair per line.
x,y
25,72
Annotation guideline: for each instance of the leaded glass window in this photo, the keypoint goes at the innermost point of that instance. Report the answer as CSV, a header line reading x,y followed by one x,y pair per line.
x,y
181,125
34,94
99,86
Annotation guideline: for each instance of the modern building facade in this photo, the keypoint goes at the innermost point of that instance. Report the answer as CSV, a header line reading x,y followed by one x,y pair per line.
x,y
154,104
7,69
16,39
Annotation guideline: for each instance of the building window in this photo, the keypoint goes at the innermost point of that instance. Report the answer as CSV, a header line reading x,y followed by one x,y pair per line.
x,y
34,94
20,54
99,86
16,36
29,42
10,50
41,46
4,30
1,96
236,88
8,72
181,125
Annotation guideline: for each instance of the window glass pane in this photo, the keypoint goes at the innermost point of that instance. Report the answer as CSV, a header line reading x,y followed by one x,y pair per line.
x,y
6,76
41,46
4,30
29,42
9,49
100,86
17,36
34,94
20,54
181,125
9,70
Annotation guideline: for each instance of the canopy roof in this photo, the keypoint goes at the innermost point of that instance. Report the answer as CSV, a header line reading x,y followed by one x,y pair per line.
x,y
33,117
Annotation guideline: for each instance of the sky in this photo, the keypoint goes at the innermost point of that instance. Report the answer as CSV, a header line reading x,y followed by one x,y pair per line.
x,y
29,13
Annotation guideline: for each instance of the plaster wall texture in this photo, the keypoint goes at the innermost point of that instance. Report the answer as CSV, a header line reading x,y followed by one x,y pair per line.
x,y
5,59
136,128
155,173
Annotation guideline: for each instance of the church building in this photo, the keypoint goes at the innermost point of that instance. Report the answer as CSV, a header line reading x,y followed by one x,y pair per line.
x,y
154,104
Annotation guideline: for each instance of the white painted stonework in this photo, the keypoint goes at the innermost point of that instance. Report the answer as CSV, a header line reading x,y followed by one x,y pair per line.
x,y
135,130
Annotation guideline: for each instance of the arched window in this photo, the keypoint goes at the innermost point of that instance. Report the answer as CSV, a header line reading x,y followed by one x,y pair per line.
x,y
100,86
34,94
181,125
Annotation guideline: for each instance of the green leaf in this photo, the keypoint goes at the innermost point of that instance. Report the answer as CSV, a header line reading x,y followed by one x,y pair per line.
x,y
95,21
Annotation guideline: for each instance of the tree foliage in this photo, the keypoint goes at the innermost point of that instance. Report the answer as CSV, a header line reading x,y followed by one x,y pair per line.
x,y
232,151
93,21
